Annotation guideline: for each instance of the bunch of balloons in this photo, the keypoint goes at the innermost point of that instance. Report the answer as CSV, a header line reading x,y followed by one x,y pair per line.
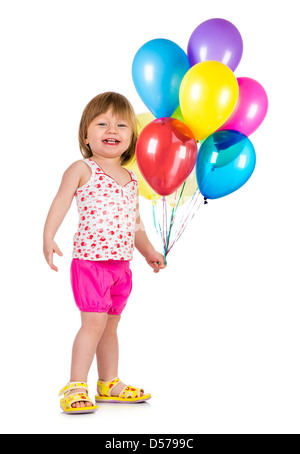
x,y
196,100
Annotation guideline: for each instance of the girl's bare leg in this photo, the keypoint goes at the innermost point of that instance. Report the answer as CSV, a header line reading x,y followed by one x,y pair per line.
x,y
108,353
85,346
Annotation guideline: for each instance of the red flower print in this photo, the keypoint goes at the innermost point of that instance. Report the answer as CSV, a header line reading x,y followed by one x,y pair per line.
x,y
99,205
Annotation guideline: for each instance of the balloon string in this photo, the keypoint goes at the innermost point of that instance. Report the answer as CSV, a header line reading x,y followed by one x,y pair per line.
x,y
165,227
153,210
171,221
166,218
198,193
174,212
183,226
164,223
165,232
154,220
187,223
160,230
188,207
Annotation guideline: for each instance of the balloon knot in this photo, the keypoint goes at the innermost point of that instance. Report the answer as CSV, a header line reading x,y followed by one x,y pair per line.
x,y
205,201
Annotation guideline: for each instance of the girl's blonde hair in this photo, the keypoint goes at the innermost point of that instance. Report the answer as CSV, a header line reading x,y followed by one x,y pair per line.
x,y
100,105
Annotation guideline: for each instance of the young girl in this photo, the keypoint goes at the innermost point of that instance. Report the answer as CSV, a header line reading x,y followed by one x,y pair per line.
x,y
109,229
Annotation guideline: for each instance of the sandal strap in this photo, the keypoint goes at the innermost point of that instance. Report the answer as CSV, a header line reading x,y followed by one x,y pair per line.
x,y
130,391
105,387
79,397
73,385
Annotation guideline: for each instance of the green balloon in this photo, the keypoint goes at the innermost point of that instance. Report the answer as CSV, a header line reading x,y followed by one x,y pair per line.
x,y
178,115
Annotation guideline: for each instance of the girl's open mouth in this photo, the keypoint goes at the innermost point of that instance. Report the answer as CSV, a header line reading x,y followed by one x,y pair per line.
x,y
111,141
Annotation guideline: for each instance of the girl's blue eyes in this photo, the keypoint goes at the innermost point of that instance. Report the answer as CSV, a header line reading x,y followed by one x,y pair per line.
x,y
120,125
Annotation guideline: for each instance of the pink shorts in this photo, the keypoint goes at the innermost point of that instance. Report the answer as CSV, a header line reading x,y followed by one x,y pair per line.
x,y
101,286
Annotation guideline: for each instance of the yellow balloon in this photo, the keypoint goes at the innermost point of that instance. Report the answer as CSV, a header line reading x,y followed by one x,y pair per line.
x,y
208,95
143,120
189,189
144,189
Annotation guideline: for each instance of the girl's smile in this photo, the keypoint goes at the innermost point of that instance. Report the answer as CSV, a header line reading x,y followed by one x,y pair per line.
x,y
111,141
109,132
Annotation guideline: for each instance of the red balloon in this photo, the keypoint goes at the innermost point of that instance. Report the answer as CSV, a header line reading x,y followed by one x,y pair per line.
x,y
166,154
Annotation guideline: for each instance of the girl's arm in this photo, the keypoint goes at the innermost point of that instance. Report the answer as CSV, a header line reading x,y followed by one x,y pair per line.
x,y
144,246
58,210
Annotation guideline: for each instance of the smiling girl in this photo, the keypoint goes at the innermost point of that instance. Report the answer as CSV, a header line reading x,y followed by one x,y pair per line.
x,y
108,231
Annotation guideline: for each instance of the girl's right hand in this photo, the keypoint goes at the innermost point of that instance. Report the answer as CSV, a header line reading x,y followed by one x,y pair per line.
x,y
50,247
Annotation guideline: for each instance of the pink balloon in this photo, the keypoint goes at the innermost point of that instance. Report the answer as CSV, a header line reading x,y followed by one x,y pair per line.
x,y
251,107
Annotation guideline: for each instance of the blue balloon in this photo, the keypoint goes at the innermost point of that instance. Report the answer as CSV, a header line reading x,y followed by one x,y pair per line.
x,y
157,70
225,162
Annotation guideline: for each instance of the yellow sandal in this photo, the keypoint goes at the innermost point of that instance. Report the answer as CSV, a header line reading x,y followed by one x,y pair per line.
x,y
69,399
128,394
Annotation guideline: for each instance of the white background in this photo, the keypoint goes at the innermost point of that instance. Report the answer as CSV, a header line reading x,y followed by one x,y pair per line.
x,y
215,336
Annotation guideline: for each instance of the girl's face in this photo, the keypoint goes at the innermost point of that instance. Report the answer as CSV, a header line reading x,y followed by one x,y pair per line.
x,y
109,135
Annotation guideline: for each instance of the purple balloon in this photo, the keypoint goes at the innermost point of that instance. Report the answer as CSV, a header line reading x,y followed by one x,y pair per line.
x,y
216,39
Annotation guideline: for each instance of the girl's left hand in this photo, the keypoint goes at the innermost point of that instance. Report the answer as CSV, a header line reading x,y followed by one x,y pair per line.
x,y
156,261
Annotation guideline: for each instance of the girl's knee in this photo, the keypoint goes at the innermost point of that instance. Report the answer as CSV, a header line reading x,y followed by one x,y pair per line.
x,y
113,321
94,321
113,318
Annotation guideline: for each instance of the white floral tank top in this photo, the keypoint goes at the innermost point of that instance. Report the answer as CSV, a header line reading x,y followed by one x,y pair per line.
x,y
107,211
